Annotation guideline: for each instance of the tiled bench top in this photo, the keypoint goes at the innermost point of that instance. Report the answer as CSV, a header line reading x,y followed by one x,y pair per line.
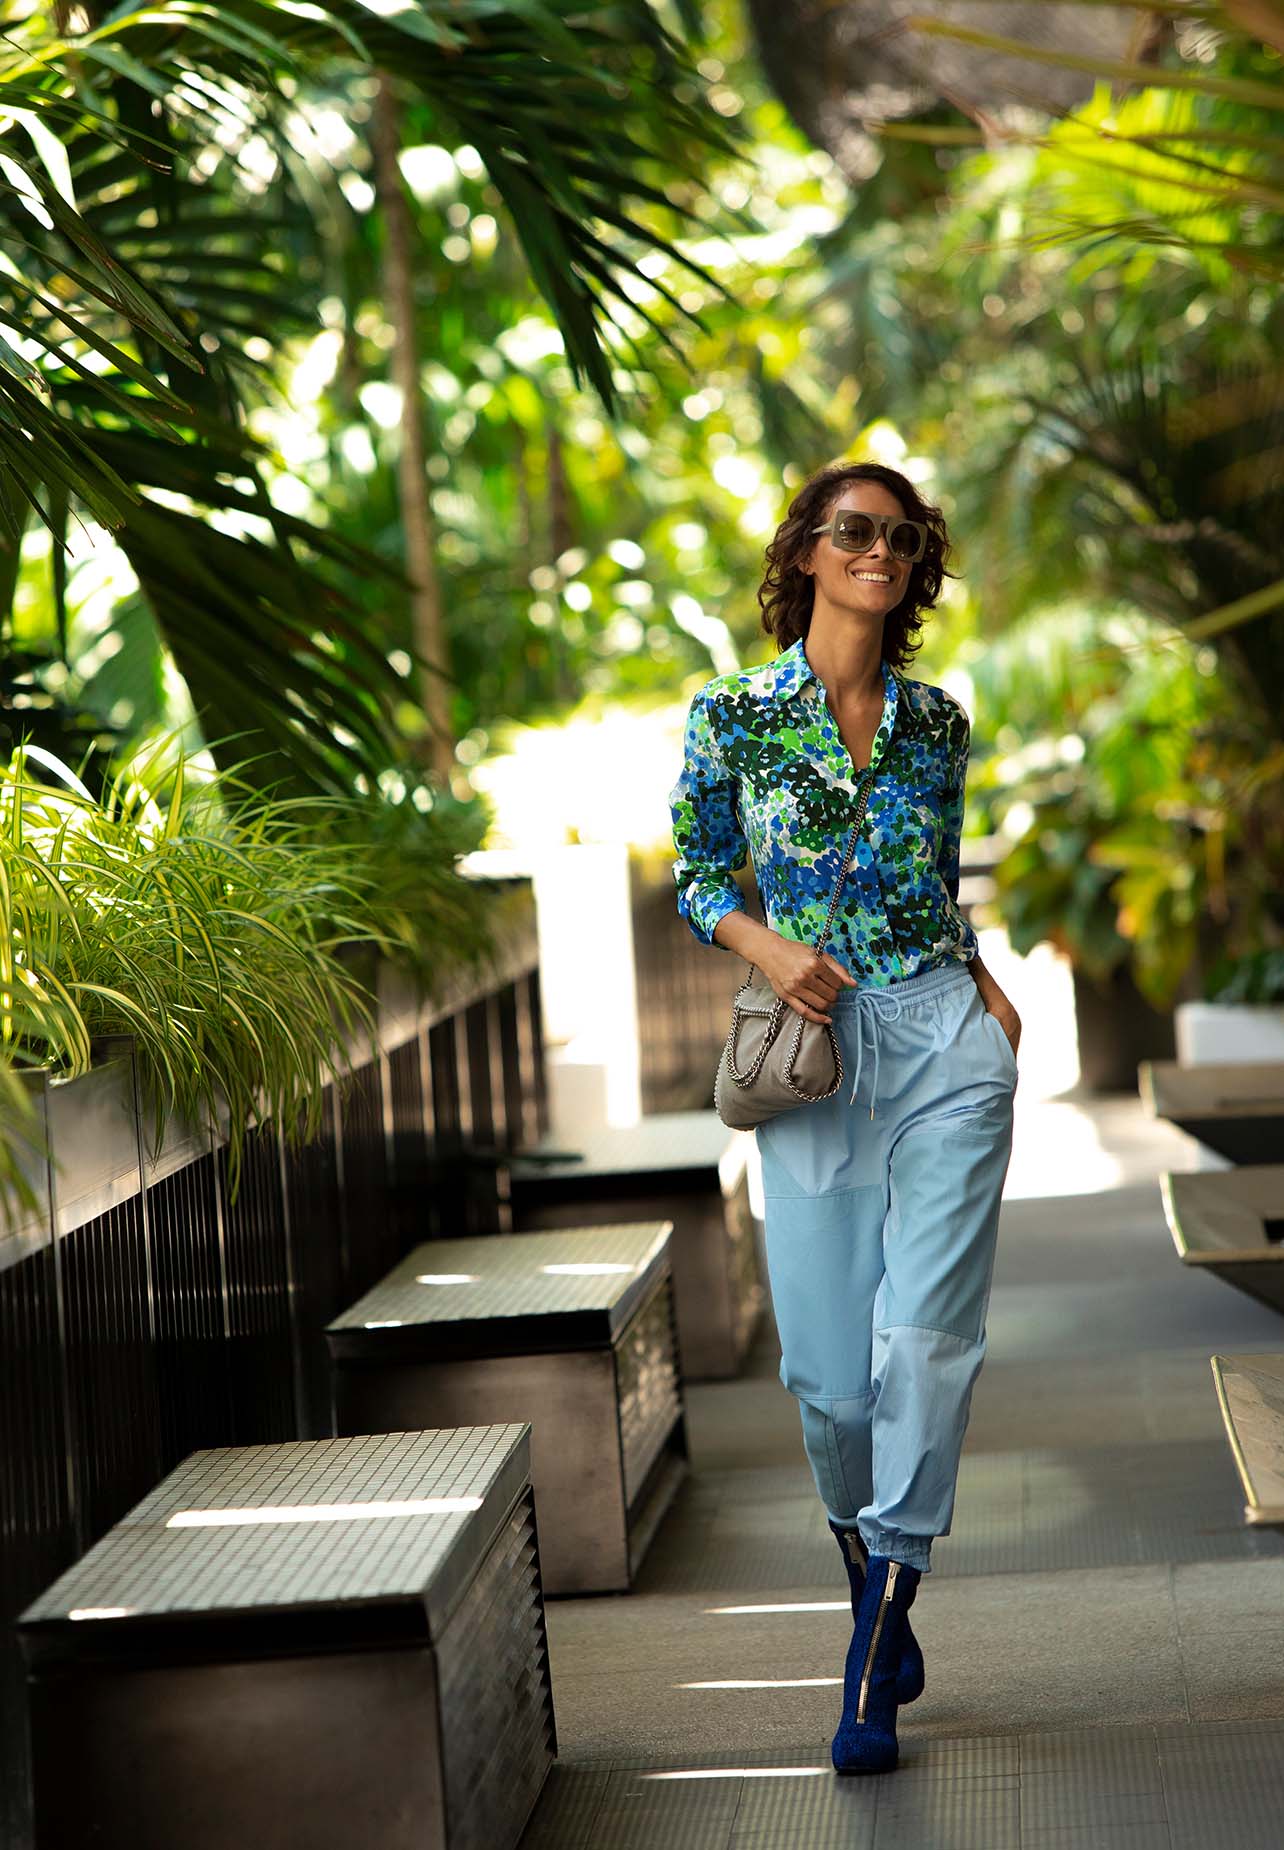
x,y
1250,1389
313,1543
675,1141
1235,1108
508,1293
1226,1215
1239,1088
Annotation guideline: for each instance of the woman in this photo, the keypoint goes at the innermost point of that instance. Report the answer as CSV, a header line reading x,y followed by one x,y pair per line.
x,y
882,1202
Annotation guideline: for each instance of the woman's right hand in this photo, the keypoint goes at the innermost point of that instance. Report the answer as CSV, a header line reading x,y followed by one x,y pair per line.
x,y
806,979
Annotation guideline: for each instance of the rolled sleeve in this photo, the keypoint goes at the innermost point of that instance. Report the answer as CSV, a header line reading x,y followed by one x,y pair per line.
x,y
707,835
952,812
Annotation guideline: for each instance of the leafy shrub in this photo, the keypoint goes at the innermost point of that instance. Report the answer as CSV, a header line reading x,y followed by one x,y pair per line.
x,y
209,920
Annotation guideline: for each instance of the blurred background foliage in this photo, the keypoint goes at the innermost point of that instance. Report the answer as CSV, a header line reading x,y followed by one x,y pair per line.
x,y
641,304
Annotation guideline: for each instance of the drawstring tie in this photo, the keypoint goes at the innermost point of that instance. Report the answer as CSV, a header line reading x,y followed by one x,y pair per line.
x,y
882,1008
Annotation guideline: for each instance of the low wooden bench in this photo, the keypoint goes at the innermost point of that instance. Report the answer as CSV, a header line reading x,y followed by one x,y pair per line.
x,y
1235,1108
1250,1391
1231,1223
572,1331
332,1643
684,1166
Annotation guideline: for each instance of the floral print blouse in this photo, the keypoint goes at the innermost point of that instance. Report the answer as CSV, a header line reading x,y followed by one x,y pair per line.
x,y
765,772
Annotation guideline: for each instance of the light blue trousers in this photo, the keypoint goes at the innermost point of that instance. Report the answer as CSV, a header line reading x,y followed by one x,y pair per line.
x,y
881,1233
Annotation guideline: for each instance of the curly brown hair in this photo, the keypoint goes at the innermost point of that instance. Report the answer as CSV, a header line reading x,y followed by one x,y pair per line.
x,y
787,592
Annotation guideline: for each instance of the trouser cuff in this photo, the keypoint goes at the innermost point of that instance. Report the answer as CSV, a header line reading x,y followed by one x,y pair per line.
x,y
909,1550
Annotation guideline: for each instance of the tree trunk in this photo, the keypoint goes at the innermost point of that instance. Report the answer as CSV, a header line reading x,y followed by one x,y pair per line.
x,y
561,536
867,61
418,534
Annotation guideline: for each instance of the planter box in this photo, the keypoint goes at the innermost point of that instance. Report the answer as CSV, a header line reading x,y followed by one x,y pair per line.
x,y
1211,1033
1117,1029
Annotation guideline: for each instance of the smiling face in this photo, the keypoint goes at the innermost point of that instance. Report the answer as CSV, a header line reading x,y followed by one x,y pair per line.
x,y
865,583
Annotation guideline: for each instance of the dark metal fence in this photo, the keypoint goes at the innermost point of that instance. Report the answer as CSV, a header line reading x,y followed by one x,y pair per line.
x,y
145,1315
684,991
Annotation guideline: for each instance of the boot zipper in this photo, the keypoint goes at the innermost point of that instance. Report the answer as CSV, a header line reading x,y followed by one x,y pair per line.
x,y
853,1548
893,1568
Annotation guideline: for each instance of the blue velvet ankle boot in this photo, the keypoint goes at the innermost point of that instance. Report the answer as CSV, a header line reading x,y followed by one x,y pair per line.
x,y
866,1737
910,1676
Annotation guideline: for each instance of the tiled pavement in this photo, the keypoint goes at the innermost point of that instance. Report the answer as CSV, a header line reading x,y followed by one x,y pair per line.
x,y
1104,1639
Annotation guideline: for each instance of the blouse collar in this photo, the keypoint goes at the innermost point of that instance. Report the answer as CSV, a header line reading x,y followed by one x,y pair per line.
x,y
791,673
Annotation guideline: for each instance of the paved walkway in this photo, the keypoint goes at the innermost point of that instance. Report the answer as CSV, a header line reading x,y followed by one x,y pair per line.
x,y
1104,1639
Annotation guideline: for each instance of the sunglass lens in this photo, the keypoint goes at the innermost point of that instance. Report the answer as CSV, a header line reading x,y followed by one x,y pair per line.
x,y
854,532
904,541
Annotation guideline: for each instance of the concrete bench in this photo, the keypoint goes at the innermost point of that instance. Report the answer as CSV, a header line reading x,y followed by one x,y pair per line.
x,y
328,1643
684,1166
1235,1108
1231,1223
1250,1391
572,1331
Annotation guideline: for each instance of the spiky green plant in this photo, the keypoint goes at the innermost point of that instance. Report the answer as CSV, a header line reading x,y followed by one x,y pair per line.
x,y
206,921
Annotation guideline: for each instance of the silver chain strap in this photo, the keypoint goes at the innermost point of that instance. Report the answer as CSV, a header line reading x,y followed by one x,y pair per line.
x,y
747,1077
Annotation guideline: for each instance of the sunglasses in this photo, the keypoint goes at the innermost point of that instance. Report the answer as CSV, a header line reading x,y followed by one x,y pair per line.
x,y
853,532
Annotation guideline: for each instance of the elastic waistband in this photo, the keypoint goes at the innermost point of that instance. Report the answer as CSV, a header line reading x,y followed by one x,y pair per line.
x,y
908,989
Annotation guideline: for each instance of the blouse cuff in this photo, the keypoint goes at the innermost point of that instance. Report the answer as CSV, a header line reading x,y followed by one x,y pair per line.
x,y
706,907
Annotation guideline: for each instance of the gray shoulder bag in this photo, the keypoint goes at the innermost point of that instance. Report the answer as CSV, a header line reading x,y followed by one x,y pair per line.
x,y
763,1071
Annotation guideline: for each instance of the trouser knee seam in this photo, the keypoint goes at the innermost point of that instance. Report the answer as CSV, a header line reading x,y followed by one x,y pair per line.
x,y
936,1329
